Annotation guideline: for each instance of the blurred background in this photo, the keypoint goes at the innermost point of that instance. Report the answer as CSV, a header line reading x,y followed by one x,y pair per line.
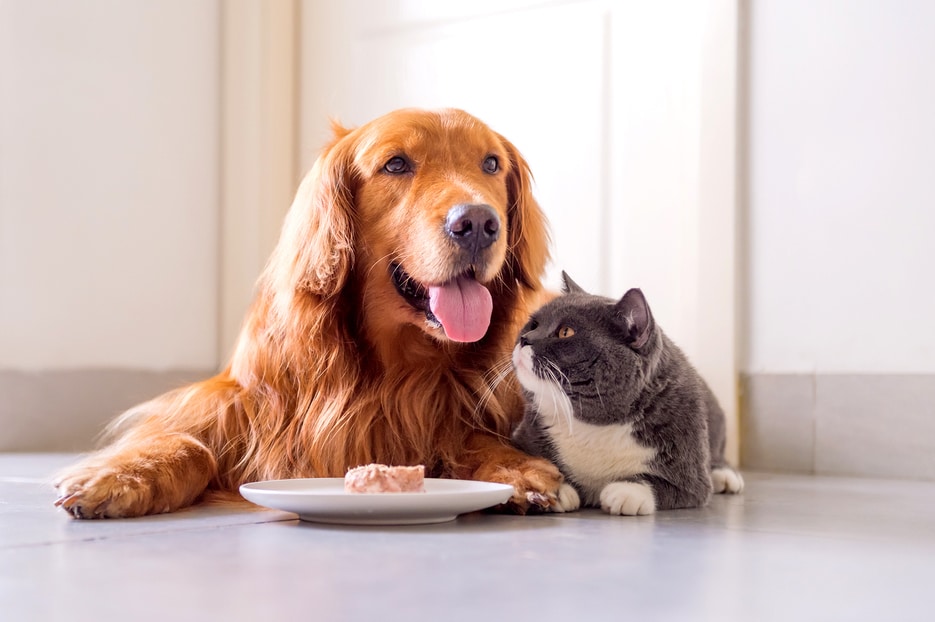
x,y
762,169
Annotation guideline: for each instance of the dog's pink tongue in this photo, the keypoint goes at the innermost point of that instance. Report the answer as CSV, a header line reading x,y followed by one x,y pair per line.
x,y
463,306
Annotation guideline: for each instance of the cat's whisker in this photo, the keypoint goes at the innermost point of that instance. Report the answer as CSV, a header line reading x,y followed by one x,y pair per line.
x,y
566,408
492,380
560,380
501,371
600,398
546,375
496,371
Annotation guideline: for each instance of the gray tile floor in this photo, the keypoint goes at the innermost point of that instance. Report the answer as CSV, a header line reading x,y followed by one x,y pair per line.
x,y
791,548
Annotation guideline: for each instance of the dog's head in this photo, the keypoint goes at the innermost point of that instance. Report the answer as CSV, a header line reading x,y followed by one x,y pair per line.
x,y
428,214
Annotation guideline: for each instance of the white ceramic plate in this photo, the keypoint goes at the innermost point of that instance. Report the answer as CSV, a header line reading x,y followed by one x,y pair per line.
x,y
323,500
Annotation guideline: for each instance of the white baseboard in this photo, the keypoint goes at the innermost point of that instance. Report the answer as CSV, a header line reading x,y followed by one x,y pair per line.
x,y
867,425
65,410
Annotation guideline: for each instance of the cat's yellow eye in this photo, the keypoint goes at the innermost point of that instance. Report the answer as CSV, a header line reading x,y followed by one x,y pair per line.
x,y
565,332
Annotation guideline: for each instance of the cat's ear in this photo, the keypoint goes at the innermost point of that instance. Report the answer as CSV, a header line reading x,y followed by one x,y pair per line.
x,y
635,317
569,286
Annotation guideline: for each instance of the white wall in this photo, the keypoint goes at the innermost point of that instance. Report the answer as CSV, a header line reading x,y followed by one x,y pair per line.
x,y
109,168
841,187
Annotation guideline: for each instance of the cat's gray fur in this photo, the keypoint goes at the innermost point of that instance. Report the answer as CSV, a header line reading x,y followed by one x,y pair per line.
x,y
648,417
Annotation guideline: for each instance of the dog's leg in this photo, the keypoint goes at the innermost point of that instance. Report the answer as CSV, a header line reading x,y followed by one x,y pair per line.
x,y
535,481
136,476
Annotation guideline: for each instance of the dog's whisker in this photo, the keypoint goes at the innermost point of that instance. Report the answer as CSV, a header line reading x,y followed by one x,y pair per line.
x,y
377,262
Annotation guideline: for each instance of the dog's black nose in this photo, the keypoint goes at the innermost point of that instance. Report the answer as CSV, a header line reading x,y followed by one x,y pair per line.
x,y
473,227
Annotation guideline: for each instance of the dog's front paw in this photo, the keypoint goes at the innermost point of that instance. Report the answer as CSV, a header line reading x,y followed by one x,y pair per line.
x,y
169,473
104,492
535,483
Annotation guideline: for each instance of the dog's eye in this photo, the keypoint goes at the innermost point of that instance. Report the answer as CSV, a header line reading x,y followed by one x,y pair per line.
x,y
397,165
564,332
491,165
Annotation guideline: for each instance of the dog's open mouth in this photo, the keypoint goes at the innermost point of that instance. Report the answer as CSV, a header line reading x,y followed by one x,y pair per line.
x,y
461,307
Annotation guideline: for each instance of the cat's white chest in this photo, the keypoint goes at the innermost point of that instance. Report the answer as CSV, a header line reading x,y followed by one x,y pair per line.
x,y
599,455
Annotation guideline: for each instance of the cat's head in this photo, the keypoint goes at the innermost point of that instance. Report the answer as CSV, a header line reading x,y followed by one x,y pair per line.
x,y
595,350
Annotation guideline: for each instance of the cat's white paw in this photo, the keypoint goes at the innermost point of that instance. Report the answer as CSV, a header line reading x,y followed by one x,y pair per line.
x,y
568,499
726,480
628,499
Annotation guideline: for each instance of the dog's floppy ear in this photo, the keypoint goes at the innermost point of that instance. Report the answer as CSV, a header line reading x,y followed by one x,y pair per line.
x,y
315,252
528,231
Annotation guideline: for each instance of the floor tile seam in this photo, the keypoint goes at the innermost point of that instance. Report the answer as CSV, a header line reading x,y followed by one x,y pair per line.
x,y
109,537
829,537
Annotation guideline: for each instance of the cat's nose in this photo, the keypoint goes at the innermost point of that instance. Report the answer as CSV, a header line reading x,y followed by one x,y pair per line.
x,y
523,341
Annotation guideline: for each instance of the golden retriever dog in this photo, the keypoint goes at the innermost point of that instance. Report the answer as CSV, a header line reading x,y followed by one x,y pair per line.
x,y
380,332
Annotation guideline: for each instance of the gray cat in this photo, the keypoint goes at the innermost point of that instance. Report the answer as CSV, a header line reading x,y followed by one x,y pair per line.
x,y
618,408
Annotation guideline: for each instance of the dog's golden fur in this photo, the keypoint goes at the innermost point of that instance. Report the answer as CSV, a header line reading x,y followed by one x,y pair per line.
x,y
334,368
